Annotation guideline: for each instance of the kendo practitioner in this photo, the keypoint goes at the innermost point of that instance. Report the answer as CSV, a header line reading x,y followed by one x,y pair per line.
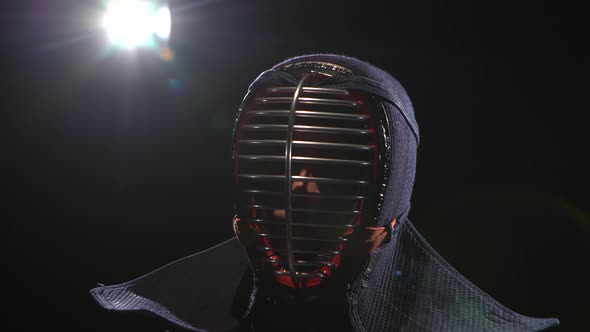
x,y
324,163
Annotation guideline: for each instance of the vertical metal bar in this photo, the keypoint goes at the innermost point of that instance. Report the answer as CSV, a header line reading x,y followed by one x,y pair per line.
x,y
288,179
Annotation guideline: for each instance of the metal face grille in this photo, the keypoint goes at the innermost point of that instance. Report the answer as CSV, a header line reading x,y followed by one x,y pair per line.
x,y
306,167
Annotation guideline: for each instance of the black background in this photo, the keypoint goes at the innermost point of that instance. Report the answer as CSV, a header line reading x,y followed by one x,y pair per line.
x,y
112,170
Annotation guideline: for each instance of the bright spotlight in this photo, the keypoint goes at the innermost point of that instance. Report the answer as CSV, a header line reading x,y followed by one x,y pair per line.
x,y
163,23
132,23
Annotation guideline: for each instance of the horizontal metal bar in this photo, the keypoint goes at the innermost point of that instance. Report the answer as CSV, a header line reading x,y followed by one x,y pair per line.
x,y
262,192
309,114
308,101
303,263
313,160
310,195
317,144
261,158
327,180
312,263
299,238
313,144
310,129
264,127
261,207
353,212
331,130
324,196
309,90
339,239
262,177
316,160
274,100
299,251
284,113
263,141
303,275
281,223
302,179
330,115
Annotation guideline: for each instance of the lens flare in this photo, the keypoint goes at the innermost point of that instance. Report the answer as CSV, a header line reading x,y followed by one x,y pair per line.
x,y
132,23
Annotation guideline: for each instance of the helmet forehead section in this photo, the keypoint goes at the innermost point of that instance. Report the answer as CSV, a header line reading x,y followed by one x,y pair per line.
x,y
308,171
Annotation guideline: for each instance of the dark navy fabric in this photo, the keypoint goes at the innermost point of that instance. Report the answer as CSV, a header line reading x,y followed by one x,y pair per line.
x,y
405,284
184,292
